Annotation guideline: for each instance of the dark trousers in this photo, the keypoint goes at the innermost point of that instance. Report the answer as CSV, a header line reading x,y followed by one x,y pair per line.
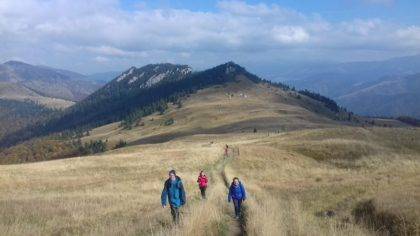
x,y
203,192
175,214
237,204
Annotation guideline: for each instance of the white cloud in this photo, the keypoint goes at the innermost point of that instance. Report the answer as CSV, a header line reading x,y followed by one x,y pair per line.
x,y
409,36
362,27
101,59
66,31
290,34
109,51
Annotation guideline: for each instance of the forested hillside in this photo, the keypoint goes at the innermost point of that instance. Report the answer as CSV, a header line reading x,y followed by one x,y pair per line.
x,y
15,115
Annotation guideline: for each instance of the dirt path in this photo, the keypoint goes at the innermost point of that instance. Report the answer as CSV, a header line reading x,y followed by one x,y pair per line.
x,y
235,227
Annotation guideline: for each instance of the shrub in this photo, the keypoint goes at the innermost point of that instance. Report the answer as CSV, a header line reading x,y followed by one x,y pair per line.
x,y
121,144
409,120
93,147
169,121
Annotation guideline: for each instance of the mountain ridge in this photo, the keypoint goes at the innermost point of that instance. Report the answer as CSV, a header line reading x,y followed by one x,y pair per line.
x,y
389,97
340,81
120,100
46,81
151,74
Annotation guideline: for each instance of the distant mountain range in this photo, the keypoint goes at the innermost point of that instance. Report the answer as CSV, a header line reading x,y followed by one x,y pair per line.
x,y
389,96
377,88
139,92
45,85
373,88
27,92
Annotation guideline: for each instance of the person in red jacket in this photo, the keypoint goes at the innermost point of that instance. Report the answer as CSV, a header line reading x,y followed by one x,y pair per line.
x,y
202,183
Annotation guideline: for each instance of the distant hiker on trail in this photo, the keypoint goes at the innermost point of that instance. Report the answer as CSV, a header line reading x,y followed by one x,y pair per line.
x,y
202,183
238,195
173,190
226,150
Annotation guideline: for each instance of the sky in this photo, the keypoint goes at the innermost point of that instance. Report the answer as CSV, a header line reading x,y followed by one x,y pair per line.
x,y
107,35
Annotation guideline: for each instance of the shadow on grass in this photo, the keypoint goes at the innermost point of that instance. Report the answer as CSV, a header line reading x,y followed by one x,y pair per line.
x,y
389,223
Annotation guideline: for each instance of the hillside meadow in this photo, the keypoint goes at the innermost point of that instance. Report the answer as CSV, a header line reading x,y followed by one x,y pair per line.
x,y
355,182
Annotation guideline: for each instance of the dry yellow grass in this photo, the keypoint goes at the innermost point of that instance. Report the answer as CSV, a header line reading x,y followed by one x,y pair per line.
x,y
297,192
289,193
116,193
306,180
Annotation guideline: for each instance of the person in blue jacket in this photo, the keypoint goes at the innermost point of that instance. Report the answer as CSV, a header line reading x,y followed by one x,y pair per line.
x,y
237,194
173,191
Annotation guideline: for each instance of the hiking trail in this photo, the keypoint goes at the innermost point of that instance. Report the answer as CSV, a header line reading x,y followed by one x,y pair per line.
x,y
216,199
235,226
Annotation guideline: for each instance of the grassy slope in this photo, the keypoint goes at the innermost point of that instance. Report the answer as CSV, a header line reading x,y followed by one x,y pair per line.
x,y
308,175
20,93
311,169
268,109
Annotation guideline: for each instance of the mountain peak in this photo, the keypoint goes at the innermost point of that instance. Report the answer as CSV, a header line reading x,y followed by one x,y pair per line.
x,y
231,67
151,74
231,63
231,70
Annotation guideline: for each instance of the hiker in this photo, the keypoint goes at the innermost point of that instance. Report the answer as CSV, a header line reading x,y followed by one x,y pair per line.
x,y
202,184
173,190
226,150
237,194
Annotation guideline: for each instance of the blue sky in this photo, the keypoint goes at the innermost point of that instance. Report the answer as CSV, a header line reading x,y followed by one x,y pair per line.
x,y
103,35
403,11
